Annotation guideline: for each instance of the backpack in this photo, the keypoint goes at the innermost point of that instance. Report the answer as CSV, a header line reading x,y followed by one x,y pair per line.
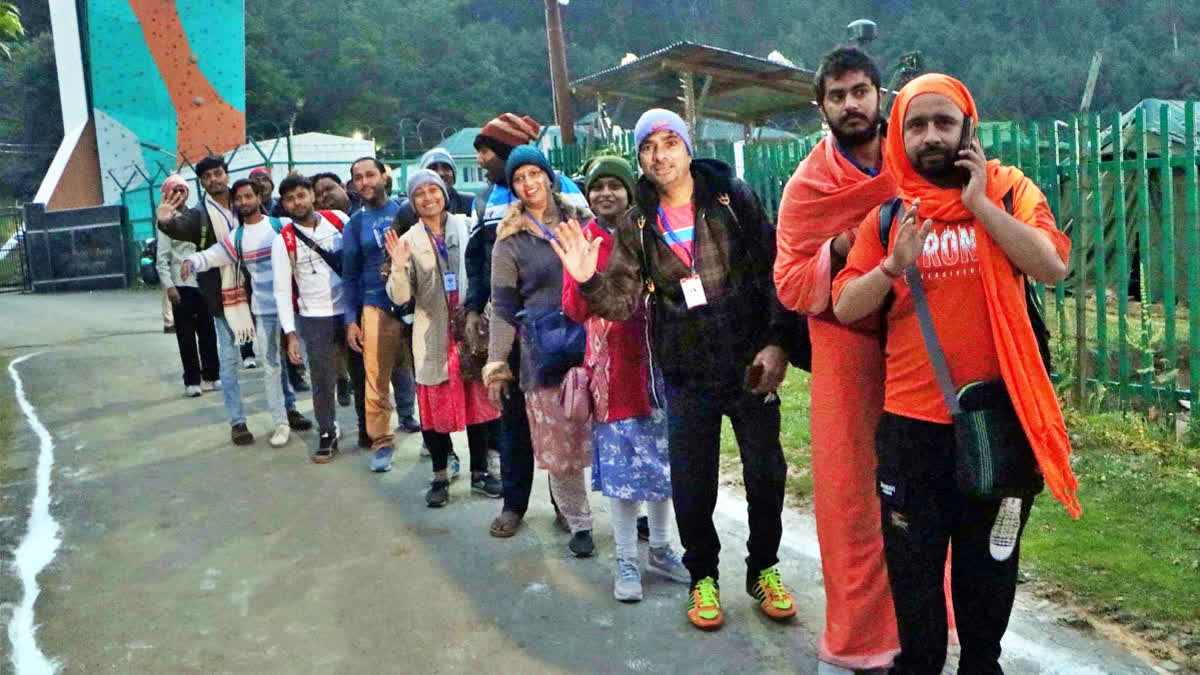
x,y
1033,302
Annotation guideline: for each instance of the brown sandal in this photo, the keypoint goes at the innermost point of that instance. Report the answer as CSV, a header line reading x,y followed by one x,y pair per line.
x,y
505,525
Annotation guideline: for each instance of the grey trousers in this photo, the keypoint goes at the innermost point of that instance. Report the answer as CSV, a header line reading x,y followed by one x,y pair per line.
x,y
324,340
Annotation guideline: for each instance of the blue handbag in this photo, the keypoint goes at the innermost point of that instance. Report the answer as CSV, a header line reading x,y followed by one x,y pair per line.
x,y
551,344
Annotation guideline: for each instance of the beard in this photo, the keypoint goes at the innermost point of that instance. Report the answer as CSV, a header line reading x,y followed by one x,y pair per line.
x,y
940,169
853,139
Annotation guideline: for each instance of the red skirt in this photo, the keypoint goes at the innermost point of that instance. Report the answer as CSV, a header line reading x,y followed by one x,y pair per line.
x,y
454,404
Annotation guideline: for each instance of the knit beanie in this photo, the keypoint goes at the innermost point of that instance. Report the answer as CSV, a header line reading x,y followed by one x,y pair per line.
x,y
613,166
438,156
527,154
424,177
173,182
658,119
506,132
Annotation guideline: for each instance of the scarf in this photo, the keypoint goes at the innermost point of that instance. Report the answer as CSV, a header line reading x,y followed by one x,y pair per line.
x,y
235,304
1021,364
826,196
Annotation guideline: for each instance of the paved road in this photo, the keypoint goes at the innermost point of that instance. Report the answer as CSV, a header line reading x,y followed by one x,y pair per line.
x,y
181,553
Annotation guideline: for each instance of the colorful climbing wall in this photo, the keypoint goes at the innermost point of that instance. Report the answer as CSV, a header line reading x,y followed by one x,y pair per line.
x,y
168,82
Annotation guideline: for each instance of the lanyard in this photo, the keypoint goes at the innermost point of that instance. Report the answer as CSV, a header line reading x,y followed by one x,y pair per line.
x,y
441,248
548,234
670,232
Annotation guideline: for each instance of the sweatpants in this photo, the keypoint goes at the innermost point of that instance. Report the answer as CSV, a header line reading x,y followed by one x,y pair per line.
x,y
694,437
194,326
921,513
324,342
386,350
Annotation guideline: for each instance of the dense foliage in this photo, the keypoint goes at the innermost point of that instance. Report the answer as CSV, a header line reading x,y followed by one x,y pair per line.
x,y
417,70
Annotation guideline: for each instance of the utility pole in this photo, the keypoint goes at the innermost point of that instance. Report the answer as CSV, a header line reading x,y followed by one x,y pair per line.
x,y
564,111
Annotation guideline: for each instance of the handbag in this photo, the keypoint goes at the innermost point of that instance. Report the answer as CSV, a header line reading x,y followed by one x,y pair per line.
x,y
992,456
551,344
575,396
470,359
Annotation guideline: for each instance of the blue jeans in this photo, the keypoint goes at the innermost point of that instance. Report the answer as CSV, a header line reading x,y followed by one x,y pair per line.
x,y
231,360
280,396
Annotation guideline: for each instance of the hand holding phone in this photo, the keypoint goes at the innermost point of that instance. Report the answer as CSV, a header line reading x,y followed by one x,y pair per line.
x,y
964,143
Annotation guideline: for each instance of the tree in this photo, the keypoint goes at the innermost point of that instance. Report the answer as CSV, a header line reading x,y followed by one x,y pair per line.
x,y
10,27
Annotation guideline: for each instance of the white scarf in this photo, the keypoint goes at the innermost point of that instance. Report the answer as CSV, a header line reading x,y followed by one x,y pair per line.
x,y
233,296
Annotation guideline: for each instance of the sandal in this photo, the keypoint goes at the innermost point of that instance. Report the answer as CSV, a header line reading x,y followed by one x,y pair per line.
x,y
505,525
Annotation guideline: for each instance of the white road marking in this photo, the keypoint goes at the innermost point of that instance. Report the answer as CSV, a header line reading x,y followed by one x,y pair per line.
x,y
37,547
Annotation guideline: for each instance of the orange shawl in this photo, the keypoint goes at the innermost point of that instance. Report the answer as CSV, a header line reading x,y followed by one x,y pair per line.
x,y
827,195
1020,362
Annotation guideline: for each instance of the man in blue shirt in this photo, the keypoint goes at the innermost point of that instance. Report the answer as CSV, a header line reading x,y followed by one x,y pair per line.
x,y
372,329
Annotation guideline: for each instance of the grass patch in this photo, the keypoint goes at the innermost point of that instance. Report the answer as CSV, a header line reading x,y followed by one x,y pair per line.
x,y
1137,548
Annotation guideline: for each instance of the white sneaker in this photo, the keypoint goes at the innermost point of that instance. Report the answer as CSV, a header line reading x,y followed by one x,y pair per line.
x,y
191,391
1005,529
249,362
281,435
627,581
205,385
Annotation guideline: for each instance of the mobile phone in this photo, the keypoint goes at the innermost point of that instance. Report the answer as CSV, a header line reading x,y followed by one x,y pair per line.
x,y
964,143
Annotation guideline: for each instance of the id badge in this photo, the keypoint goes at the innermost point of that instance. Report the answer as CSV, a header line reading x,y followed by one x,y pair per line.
x,y
693,292
450,281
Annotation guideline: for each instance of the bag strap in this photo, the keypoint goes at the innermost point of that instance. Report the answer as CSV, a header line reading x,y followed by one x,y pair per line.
x,y
929,334
335,263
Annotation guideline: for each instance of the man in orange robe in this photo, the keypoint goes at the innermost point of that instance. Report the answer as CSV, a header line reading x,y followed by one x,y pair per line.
x,y
824,202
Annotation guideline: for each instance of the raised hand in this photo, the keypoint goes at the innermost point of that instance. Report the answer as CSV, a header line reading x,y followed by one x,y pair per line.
x,y
169,205
579,255
397,250
909,241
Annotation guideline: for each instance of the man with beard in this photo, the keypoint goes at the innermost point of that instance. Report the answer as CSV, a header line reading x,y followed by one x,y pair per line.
x,y
372,329
825,200
248,247
964,235
698,242
264,185
206,223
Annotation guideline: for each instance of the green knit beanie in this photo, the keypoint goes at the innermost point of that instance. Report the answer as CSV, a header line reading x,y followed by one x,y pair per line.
x,y
613,166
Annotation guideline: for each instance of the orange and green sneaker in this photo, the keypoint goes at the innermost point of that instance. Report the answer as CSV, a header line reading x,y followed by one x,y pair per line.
x,y
704,605
773,598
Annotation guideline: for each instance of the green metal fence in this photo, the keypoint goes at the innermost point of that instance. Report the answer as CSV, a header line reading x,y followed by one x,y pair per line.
x,y
1124,188
14,271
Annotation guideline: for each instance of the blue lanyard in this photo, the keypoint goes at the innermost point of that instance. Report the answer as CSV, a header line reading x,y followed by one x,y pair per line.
x,y
441,248
549,235
670,232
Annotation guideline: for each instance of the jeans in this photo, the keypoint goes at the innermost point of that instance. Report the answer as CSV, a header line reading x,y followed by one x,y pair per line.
x,y
515,445
324,341
280,396
694,437
921,514
231,361
194,325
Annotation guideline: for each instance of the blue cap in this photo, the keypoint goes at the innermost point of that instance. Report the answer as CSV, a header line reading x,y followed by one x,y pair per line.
x,y
438,156
527,154
659,119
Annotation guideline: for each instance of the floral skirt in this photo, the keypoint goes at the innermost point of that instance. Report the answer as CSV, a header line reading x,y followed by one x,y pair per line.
x,y
559,445
630,459
454,404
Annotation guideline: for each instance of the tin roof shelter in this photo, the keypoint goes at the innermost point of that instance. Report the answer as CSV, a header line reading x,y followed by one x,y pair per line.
x,y
711,82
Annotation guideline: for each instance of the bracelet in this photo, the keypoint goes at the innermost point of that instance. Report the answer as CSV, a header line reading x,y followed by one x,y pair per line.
x,y
888,273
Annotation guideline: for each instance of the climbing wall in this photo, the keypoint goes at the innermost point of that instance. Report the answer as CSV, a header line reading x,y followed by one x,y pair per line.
x,y
168,83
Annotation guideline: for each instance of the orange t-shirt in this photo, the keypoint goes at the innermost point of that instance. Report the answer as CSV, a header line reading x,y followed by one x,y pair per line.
x,y
949,269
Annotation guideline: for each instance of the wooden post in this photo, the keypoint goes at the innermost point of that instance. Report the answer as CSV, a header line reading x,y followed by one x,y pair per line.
x,y
564,112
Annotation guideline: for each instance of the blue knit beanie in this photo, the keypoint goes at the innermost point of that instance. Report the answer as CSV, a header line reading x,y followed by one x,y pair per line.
x,y
438,156
527,154
425,177
658,119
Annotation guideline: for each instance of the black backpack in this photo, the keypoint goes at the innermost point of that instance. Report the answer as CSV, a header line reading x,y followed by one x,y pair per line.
x,y
1033,302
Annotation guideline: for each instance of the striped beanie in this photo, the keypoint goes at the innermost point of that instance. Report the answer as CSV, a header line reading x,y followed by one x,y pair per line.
x,y
506,132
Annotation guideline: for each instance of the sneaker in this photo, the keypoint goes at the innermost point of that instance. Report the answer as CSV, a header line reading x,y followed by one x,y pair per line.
x,y
326,446
249,363
298,422
424,450
364,439
281,435
438,495
409,425
191,391
667,563
382,461
581,544
485,484
704,605
643,528
299,383
627,581
1005,529
205,385
454,466
343,391
168,329
772,596
216,385
240,434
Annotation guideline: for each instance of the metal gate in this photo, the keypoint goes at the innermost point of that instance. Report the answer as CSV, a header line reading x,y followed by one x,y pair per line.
x,y
14,265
